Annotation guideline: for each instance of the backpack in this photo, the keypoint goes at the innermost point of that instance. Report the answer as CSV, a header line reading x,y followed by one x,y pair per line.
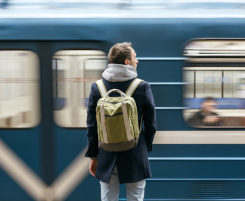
x,y
117,118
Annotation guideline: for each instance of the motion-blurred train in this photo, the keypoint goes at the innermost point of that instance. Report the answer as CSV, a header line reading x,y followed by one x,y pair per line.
x,y
47,66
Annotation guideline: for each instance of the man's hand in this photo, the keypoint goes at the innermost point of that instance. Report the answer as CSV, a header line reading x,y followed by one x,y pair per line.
x,y
93,167
211,119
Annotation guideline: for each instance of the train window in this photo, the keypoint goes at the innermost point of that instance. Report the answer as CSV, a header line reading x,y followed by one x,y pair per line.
x,y
74,71
214,93
19,89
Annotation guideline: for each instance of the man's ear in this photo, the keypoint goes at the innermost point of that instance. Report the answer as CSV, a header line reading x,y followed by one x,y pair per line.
x,y
126,62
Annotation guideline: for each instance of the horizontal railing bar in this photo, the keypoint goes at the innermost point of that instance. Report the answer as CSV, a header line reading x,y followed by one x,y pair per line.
x,y
162,58
195,179
197,158
189,199
171,108
168,83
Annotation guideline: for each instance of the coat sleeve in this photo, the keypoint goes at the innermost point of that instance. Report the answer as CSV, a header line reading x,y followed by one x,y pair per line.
x,y
92,135
149,117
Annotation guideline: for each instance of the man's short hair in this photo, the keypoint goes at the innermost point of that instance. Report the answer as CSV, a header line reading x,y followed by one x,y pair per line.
x,y
119,53
209,98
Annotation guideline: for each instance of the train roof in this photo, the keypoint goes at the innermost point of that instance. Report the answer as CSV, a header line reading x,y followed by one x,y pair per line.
x,y
122,9
97,12
101,23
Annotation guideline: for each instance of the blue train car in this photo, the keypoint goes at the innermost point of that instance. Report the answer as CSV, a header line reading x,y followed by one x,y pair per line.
x,y
47,65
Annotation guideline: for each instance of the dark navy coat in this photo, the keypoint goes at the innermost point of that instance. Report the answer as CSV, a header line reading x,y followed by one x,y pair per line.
x,y
133,165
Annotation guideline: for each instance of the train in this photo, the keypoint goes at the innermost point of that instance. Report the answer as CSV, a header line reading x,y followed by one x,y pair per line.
x,y
47,66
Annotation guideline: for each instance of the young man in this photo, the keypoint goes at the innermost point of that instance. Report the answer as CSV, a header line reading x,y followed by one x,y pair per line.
x,y
130,167
206,116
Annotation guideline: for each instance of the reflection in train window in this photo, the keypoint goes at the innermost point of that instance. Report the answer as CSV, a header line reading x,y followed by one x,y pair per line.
x,y
19,89
74,71
215,91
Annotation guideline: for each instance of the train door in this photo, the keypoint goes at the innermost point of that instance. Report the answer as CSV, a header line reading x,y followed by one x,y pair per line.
x,y
43,100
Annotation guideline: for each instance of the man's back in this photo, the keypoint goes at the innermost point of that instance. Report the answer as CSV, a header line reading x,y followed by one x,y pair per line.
x,y
130,166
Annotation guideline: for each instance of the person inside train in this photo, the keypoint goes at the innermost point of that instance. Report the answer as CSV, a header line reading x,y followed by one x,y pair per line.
x,y
206,116
129,167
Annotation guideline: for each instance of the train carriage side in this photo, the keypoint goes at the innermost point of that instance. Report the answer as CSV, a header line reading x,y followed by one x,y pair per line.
x,y
46,72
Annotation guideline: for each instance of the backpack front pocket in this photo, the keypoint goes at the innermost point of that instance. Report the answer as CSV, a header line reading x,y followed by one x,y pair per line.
x,y
115,128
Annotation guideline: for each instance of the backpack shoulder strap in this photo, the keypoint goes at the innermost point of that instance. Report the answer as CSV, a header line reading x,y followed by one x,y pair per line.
x,y
102,88
133,86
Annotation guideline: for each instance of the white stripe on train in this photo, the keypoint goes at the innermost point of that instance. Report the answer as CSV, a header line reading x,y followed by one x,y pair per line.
x,y
200,137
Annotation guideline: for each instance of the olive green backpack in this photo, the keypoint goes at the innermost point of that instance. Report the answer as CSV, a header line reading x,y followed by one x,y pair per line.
x,y
117,118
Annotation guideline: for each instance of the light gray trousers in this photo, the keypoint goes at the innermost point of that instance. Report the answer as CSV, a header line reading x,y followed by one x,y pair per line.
x,y
110,192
